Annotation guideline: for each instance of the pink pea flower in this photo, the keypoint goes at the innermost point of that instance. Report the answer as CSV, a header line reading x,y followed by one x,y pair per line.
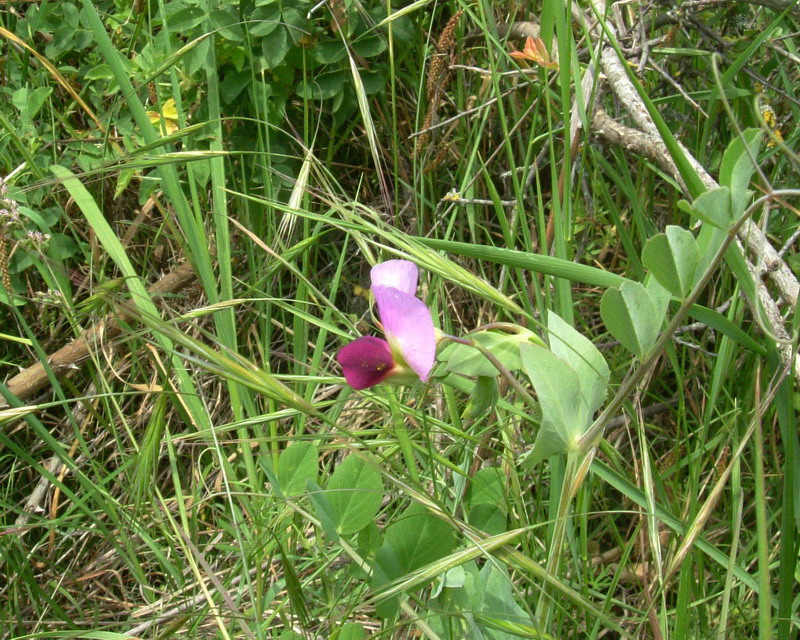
x,y
408,353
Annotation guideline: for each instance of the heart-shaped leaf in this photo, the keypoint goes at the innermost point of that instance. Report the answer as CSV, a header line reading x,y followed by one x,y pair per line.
x,y
672,258
584,358
631,315
564,412
354,492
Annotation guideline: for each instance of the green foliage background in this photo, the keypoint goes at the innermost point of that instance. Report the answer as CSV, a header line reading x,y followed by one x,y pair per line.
x,y
202,472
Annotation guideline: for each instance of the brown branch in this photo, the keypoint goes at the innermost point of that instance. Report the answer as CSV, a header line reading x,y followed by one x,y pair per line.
x,y
752,236
647,141
633,140
26,383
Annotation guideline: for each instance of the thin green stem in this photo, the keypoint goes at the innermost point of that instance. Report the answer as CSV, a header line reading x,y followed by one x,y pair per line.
x,y
404,440
527,397
764,590
559,531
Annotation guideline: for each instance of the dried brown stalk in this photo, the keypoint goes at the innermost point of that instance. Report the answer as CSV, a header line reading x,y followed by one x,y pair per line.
x,y
438,75
4,273
26,383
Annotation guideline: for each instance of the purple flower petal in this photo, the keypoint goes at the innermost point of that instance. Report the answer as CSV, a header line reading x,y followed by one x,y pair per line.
x,y
366,362
408,327
399,274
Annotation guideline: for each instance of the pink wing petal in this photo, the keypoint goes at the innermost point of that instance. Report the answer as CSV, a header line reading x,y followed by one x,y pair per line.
x,y
365,362
408,326
399,274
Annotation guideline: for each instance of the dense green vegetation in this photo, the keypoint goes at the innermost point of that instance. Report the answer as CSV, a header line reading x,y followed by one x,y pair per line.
x,y
193,193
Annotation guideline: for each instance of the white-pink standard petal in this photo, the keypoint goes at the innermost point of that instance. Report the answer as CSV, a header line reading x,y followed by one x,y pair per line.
x,y
408,327
398,274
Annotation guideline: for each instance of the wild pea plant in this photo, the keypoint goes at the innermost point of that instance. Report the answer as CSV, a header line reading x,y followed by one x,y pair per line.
x,y
409,350
569,377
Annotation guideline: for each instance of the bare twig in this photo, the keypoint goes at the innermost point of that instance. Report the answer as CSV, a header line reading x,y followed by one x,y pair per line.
x,y
455,198
788,244
26,383
678,87
463,114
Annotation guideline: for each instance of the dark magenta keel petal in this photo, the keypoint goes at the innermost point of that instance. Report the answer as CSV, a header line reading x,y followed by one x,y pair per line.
x,y
365,362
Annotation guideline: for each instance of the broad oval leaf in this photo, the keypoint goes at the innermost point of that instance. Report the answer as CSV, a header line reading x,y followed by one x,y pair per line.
x,y
351,631
297,464
486,498
264,20
468,361
329,51
487,486
185,19
417,538
275,47
499,608
586,360
354,492
631,315
737,167
226,24
322,87
489,518
370,45
713,207
483,399
672,258
564,413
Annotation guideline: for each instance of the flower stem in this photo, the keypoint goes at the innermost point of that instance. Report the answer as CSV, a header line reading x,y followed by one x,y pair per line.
x,y
559,530
527,397
404,440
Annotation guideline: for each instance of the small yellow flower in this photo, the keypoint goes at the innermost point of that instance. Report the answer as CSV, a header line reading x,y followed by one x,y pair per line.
x,y
768,113
169,113
771,120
